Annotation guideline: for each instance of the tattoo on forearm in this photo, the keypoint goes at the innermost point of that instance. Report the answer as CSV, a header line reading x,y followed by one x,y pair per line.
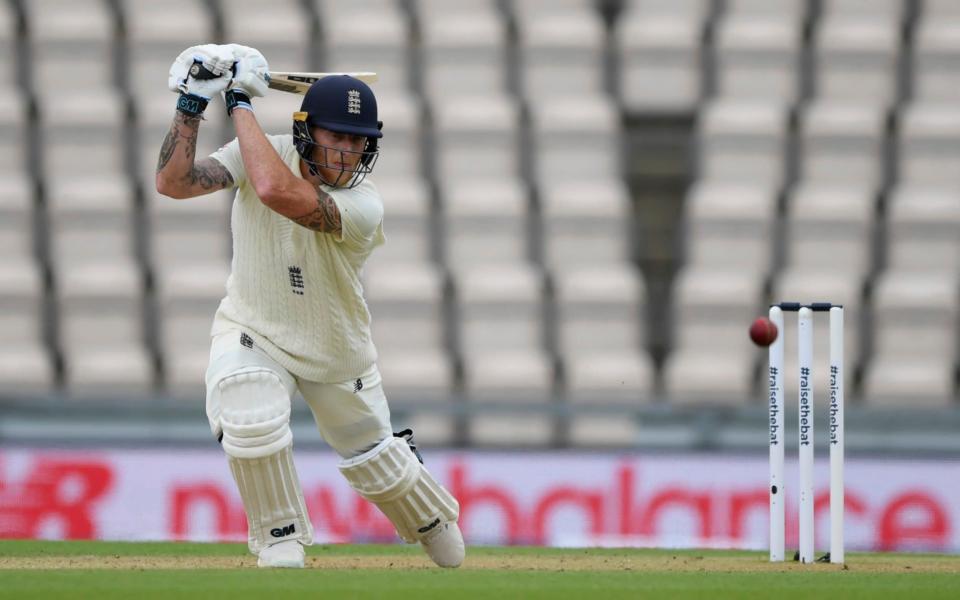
x,y
210,175
189,134
207,173
166,150
324,218
185,128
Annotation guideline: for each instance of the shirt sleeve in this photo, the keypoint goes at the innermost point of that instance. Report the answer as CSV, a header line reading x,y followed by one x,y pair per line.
x,y
229,156
361,215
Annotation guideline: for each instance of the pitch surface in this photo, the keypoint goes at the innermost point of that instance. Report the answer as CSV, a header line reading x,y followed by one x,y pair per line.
x,y
31,569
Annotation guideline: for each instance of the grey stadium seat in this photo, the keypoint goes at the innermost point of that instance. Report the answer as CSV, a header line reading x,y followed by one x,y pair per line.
x,y
16,219
72,45
476,136
533,9
367,36
576,137
189,252
500,308
82,136
929,144
281,30
843,142
561,54
658,46
8,43
13,127
463,48
758,47
730,225
501,338
600,331
742,141
99,288
25,362
158,32
401,149
91,224
406,220
102,333
711,359
406,302
935,72
585,222
830,227
923,232
485,221
916,350
856,49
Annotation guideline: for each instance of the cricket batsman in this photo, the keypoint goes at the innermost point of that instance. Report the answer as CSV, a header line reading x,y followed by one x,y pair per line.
x,y
305,218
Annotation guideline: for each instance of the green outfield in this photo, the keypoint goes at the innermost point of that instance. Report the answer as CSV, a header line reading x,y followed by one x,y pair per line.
x,y
104,570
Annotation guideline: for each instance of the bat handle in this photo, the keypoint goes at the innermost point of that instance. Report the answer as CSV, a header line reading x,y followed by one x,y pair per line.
x,y
200,72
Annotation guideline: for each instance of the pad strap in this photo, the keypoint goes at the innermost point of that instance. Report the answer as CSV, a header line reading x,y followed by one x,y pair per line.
x,y
407,436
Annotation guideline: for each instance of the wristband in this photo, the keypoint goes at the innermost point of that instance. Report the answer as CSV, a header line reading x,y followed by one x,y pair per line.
x,y
235,98
191,104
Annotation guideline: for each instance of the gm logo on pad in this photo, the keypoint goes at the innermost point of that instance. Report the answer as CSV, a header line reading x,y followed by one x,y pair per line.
x,y
279,532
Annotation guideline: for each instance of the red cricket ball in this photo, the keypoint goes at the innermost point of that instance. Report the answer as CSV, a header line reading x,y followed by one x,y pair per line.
x,y
763,332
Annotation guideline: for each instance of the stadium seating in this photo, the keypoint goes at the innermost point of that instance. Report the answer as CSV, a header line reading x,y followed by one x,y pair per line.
x,y
560,49
659,48
462,49
25,364
856,50
758,48
936,51
513,303
916,327
8,43
367,36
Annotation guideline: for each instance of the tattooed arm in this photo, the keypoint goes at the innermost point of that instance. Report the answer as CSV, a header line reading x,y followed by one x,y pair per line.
x,y
277,187
179,175
325,216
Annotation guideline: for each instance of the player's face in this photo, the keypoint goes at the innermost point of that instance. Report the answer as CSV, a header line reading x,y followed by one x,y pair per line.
x,y
339,153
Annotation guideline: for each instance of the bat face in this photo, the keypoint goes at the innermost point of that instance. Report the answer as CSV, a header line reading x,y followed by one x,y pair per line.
x,y
298,83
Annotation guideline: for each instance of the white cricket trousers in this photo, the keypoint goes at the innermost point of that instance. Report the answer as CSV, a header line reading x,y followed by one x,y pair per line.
x,y
352,416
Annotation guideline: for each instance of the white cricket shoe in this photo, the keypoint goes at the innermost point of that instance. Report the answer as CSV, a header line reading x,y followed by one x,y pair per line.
x,y
444,545
282,555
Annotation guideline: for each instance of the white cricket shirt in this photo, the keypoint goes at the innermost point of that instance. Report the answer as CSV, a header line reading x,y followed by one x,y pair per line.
x,y
297,292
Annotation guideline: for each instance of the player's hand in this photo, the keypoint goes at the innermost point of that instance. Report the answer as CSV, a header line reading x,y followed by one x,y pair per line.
x,y
203,71
251,70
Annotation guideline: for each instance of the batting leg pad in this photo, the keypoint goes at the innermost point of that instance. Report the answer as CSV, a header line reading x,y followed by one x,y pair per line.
x,y
272,499
391,477
254,413
255,416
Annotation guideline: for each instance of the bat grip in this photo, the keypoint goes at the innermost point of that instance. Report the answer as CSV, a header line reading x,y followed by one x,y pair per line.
x,y
200,72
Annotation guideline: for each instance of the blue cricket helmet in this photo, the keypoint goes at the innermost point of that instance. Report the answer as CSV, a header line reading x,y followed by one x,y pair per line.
x,y
342,104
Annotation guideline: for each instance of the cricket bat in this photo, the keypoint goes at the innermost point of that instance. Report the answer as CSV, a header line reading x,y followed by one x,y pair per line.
x,y
298,83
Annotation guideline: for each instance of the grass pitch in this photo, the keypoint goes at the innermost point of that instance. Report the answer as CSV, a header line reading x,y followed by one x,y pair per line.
x,y
106,570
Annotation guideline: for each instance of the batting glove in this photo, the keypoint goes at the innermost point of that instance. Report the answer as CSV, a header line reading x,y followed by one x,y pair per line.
x,y
252,73
201,71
